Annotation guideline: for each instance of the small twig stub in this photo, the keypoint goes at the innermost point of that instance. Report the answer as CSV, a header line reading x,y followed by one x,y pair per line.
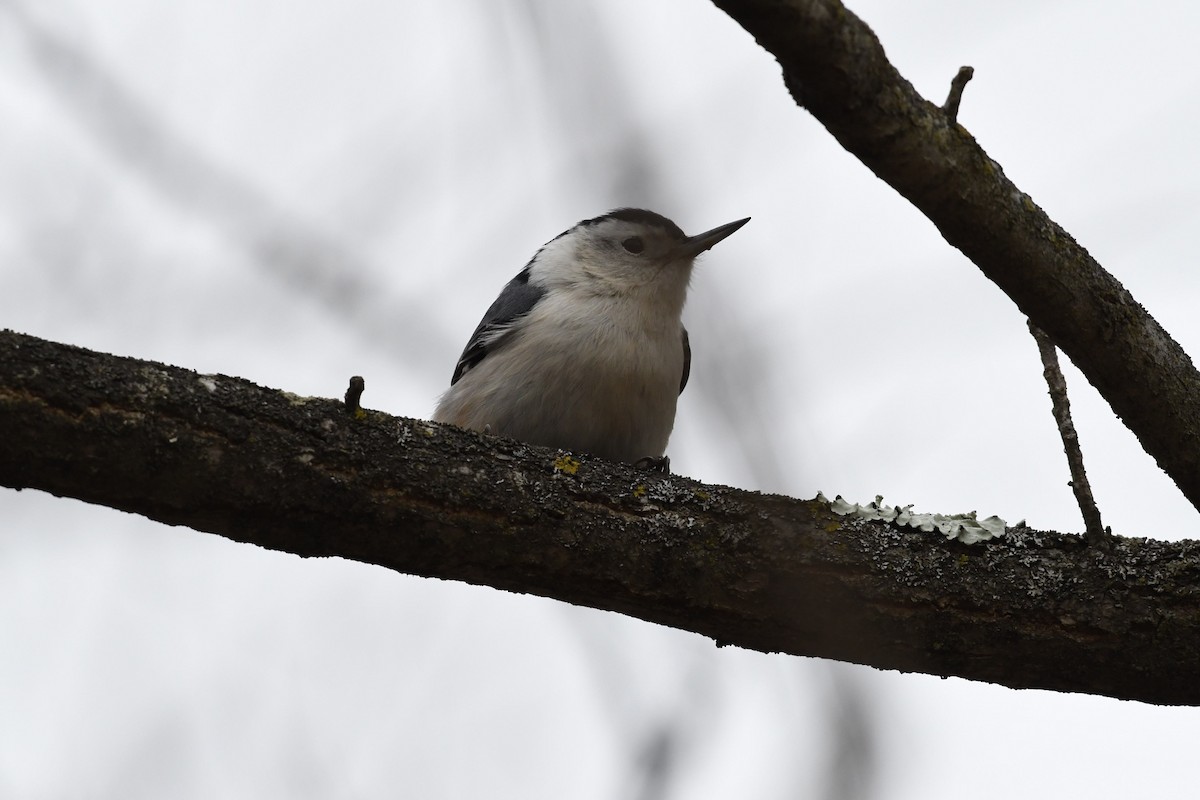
x,y
354,394
950,107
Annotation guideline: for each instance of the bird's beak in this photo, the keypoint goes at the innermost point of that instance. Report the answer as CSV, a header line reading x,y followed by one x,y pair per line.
x,y
693,246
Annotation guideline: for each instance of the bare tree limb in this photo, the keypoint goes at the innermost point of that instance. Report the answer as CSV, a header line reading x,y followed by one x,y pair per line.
x,y
835,67
769,573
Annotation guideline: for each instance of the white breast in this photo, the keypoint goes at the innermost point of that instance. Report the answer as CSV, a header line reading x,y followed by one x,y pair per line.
x,y
580,376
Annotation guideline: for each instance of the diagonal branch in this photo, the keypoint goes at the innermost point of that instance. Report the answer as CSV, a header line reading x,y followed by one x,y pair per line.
x,y
307,476
835,67
1061,408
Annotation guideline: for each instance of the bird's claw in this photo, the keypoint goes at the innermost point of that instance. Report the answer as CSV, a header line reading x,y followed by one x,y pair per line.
x,y
654,464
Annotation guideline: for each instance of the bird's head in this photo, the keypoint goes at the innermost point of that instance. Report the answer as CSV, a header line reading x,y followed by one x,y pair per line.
x,y
627,252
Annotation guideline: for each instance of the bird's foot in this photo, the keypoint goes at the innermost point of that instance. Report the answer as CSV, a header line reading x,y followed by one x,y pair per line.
x,y
660,464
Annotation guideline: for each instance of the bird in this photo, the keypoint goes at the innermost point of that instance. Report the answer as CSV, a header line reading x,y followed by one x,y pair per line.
x,y
585,349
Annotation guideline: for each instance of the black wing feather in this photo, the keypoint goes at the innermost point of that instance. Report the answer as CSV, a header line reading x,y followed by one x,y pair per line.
x,y
687,361
516,300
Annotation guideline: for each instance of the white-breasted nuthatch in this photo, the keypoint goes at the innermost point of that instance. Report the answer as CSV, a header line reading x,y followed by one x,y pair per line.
x,y
585,349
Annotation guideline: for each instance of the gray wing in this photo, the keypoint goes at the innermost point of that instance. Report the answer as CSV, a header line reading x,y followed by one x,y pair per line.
x,y
517,298
687,361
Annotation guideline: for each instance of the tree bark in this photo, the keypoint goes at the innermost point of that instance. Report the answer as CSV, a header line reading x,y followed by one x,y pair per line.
x,y
835,67
764,572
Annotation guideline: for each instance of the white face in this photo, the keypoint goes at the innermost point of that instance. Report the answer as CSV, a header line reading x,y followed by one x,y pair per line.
x,y
619,258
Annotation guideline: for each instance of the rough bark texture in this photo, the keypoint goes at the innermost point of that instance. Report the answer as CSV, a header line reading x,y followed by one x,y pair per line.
x,y
304,475
835,67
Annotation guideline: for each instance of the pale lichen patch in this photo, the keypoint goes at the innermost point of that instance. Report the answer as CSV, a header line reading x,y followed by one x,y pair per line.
x,y
966,528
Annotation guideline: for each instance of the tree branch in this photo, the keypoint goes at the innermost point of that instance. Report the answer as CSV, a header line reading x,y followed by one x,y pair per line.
x,y
835,67
769,573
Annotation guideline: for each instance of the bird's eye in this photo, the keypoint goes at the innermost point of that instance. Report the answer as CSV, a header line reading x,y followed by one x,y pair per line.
x,y
634,244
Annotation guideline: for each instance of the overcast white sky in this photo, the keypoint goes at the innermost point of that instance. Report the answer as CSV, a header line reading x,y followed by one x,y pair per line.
x,y
294,191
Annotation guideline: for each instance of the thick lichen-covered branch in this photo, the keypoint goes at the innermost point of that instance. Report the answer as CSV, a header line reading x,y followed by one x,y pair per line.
x,y
257,465
835,67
